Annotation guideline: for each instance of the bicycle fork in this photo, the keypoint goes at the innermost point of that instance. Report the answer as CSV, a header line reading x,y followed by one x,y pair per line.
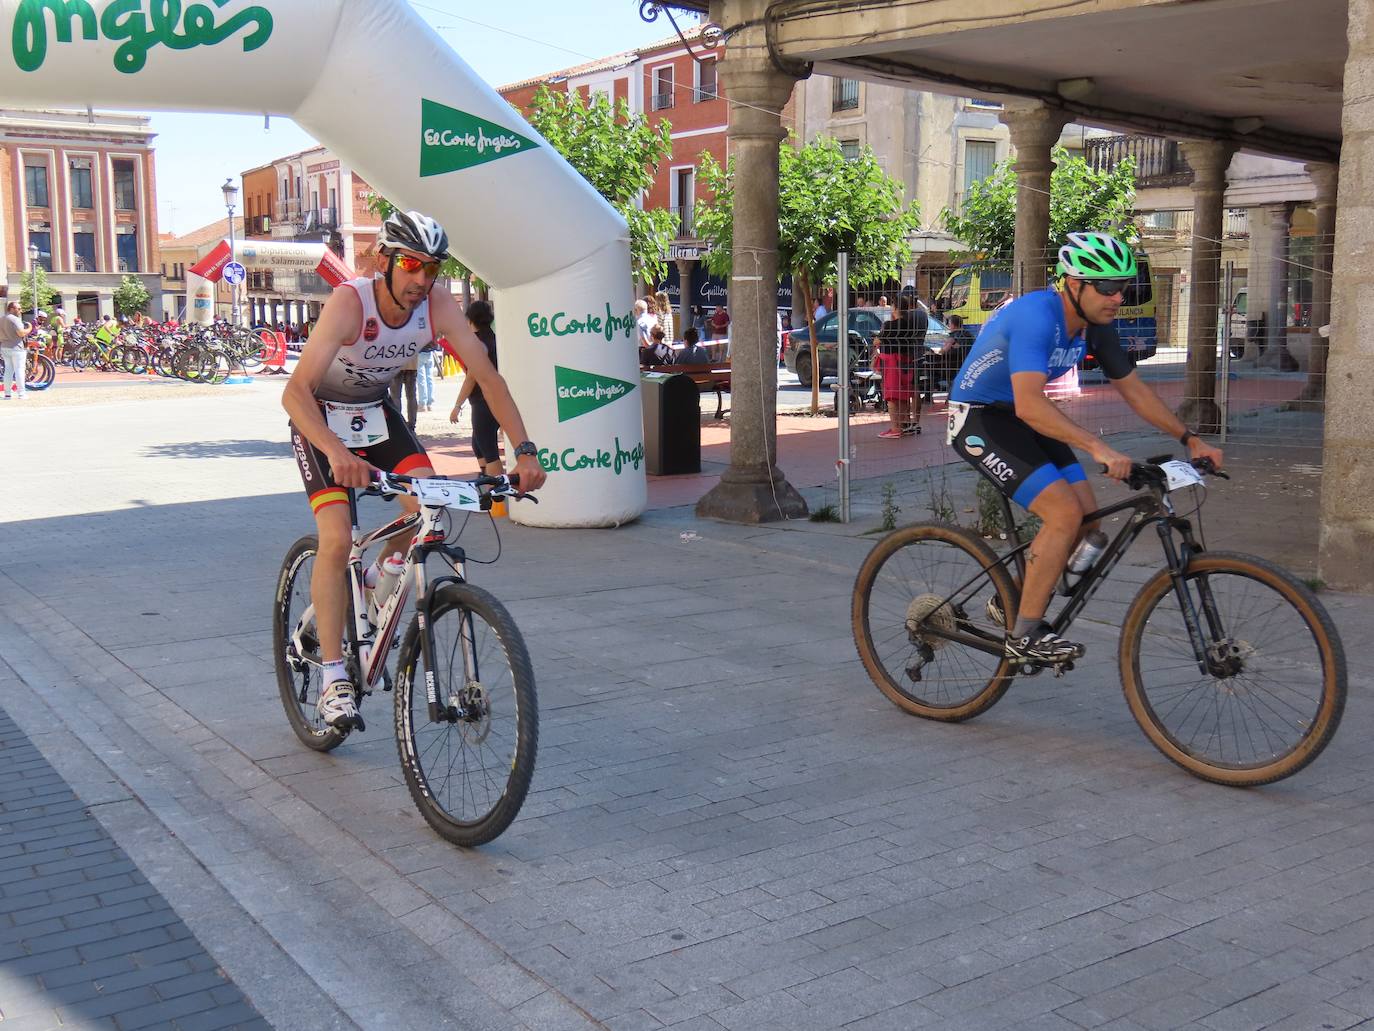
x,y
1209,657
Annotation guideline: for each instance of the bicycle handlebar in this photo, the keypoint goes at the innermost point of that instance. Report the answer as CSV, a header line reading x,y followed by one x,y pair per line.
x,y
506,486
1149,474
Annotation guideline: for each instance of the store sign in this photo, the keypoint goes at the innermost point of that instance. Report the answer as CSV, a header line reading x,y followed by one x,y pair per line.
x,y
451,140
126,23
582,392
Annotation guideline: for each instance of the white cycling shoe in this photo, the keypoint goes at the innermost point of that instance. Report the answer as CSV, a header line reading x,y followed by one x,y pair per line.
x,y
338,705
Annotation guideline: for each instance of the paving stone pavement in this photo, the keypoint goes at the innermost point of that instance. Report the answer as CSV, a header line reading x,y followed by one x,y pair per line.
x,y
85,940
729,826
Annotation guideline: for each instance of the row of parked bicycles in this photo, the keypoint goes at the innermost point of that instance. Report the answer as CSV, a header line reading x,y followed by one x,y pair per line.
x,y
197,354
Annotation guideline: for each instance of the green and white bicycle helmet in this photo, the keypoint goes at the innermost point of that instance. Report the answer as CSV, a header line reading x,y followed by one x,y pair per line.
x,y
1096,256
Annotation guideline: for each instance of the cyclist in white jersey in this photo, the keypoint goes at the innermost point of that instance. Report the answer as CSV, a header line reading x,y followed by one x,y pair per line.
x,y
343,425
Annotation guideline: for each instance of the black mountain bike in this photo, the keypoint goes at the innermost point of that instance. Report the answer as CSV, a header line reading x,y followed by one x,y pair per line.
x,y
1230,665
466,715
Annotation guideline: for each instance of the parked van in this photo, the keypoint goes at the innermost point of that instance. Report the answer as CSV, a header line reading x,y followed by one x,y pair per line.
x,y
975,292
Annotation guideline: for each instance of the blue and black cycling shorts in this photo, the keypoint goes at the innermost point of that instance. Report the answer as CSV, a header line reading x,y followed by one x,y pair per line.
x,y
1019,461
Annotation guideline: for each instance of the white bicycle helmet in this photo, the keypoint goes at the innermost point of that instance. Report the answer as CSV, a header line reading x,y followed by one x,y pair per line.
x,y
413,231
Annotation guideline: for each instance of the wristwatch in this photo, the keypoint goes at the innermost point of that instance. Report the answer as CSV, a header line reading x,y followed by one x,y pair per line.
x,y
1187,436
525,447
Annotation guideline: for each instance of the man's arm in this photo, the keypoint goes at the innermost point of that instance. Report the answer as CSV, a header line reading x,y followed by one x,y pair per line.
x,y
339,323
1040,413
448,320
1147,404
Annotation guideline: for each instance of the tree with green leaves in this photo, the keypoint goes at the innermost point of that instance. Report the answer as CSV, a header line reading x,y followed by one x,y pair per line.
x,y
619,154
1082,199
130,296
827,203
47,296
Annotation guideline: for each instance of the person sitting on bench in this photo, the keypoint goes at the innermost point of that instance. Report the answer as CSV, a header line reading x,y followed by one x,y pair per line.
x,y
692,352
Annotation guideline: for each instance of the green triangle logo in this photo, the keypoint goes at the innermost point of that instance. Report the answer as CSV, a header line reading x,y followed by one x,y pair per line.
x,y
451,140
582,392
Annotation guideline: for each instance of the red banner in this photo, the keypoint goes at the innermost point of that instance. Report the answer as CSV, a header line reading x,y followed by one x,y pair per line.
x,y
332,270
273,348
211,266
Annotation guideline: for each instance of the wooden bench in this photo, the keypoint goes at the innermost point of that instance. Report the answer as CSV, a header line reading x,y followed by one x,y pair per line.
x,y
707,376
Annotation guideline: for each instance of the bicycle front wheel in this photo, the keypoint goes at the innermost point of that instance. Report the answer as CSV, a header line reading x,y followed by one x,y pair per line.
x,y
1274,686
298,680
40,373
924,577
469,772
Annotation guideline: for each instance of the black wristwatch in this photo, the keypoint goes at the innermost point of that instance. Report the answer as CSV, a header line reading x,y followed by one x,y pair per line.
x,y
1187,436
525,447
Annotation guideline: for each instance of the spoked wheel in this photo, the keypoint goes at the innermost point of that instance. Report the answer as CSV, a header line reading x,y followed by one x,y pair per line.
x,y
298,681
469,772
1274,688
40,373
134,359
933,577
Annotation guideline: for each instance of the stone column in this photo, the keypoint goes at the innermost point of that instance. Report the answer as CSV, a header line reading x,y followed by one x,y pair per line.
x,y
1209,160
1324,205
1035,129
684,295
1346,557
753,489
1267,283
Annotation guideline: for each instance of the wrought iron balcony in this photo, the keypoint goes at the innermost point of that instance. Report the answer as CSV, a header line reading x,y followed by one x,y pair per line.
x,y
686,223
1158,161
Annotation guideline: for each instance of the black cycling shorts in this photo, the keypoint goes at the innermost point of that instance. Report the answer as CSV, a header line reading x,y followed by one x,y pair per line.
x,y
399,453
484,430
1017,460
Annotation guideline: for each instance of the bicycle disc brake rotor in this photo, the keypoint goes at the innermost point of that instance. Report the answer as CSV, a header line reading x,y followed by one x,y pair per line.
x,y
475,707
929,610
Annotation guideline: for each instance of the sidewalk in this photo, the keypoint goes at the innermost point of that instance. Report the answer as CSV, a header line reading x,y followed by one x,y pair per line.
x,y
729,826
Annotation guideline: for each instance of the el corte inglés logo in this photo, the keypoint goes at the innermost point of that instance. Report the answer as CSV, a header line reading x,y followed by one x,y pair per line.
x,y
582,392
451,140
126,20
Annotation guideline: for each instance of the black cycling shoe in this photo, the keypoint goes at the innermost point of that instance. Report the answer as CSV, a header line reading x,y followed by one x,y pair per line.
x,y
1043,647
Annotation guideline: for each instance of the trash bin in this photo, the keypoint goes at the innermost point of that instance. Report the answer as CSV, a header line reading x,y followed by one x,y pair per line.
x,y
672,423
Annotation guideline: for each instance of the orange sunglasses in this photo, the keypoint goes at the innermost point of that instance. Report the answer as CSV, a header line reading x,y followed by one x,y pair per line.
x,y
410,263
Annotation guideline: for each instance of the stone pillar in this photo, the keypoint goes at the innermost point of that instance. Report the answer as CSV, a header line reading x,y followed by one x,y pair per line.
x,y
1324,179
753,489
684,295
1346,556
1209,160
1267,283
1035,129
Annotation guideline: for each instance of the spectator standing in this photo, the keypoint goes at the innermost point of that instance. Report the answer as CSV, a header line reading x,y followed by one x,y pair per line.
x,y
960,344
424,375
484,425
646,321
699,321
720,323
901,341
59,334
665,315
13,330
403,390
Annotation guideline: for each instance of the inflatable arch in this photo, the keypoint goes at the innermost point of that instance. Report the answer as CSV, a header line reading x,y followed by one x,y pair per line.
x,y
371,81
256,256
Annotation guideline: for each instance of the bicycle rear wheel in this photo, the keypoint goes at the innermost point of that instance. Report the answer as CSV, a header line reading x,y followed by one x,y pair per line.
x,y
40,373
299,682
468,775
1275,688
932,575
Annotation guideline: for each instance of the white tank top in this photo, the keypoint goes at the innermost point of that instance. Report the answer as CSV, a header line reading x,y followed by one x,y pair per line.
x,y
363,370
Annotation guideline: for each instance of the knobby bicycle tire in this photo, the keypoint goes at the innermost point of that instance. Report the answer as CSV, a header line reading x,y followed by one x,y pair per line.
x,y
922,674
39,372
418,740
1257,710
312,732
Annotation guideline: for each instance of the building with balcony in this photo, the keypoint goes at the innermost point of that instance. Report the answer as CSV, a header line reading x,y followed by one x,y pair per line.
x,y
80,187
307,197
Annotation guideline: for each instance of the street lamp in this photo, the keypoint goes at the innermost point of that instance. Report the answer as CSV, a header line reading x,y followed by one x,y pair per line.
x,y
231,195
33,268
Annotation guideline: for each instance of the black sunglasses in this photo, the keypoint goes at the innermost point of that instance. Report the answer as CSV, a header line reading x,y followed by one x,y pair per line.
x,y
1110,287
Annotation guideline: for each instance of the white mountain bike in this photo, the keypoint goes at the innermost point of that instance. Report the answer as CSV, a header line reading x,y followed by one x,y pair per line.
x,y
468,737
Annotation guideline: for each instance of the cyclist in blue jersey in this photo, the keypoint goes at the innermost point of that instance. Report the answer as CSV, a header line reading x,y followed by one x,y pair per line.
x,y
1001,422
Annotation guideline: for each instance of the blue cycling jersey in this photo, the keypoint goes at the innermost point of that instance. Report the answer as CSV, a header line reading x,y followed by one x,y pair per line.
x,y
1028,335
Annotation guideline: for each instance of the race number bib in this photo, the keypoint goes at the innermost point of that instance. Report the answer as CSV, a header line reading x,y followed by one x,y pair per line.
x,y
958,412
358,426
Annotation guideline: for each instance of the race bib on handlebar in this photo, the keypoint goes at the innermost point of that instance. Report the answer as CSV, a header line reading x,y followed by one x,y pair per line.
x,y
438,493
358,426
1180,474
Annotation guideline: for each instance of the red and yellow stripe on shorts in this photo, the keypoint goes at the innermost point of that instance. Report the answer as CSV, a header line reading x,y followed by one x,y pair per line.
x,y
329,496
